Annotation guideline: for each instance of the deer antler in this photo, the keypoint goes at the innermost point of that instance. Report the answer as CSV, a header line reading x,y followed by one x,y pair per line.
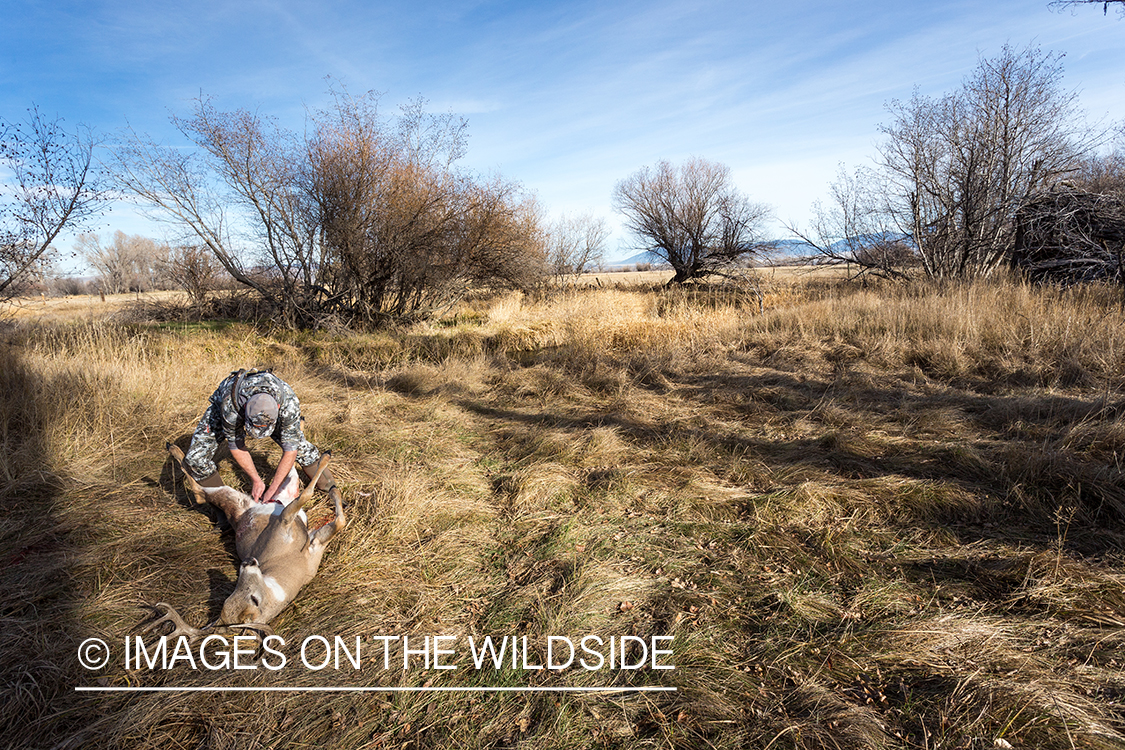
x,y
179,627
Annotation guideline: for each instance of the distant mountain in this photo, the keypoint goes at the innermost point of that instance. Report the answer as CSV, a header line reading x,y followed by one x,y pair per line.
x,y
642,257
789,248
783,248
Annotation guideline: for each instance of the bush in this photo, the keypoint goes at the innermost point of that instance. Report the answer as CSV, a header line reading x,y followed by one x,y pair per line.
x,y
69,287
367,220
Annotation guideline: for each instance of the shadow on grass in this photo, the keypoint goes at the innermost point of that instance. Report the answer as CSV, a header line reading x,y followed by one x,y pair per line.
x,y
41,626
1001,450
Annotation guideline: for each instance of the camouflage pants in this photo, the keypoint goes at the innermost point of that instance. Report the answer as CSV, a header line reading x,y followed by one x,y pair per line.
x,y
200,456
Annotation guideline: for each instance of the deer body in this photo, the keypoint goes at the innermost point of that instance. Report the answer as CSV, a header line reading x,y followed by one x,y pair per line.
x,y
279,555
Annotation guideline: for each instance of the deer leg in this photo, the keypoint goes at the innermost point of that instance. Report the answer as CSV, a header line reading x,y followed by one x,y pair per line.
x,y
321,467
334,496
213,480
317,469
326,482
325,533
212,490
194,486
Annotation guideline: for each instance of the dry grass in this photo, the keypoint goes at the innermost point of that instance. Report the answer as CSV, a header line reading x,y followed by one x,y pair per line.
x,y
80,306
870,517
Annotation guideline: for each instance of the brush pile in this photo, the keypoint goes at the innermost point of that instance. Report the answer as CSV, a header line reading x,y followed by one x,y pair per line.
x,y
1069,235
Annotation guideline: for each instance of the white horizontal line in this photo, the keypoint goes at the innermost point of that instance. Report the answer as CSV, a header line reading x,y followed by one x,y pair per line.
x,y
81,689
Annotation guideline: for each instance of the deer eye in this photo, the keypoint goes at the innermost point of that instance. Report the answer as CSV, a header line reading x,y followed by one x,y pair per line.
x,y
254,600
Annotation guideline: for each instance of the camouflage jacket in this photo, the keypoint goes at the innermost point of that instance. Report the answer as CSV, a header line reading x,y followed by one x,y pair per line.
x,y
234,422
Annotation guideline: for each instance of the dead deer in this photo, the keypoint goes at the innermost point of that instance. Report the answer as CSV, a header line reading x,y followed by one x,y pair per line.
x,y
278,553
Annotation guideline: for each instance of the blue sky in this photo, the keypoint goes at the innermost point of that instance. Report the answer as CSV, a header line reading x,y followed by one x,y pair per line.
x,y
564,97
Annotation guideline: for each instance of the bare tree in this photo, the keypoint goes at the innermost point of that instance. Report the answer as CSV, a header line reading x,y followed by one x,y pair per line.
x,y
959,167
692,216
239,195
575,244
52,184
126,263
857,228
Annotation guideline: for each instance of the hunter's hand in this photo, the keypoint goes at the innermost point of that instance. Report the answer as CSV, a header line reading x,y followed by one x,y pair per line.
x,y
257,487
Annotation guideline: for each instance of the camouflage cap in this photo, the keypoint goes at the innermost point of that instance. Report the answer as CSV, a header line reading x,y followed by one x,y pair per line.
x,y
261,415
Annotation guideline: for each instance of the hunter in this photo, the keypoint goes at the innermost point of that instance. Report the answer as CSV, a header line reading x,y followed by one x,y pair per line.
x,y
256,404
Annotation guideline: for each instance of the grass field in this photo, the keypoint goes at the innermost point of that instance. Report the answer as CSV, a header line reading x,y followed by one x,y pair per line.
x,y
882,516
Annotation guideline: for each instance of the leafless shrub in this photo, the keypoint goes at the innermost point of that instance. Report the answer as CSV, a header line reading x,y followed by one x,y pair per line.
x,y
68,286
192,268
363,216
888,253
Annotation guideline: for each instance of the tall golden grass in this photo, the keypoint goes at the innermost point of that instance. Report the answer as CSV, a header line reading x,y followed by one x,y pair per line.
x,y
889,516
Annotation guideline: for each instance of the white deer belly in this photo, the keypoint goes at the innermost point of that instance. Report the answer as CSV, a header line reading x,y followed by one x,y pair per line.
x,y
273,509
290,488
